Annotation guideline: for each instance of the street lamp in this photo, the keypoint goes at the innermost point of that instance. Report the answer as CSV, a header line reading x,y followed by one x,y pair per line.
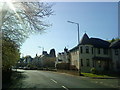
x,y
78,29
79,69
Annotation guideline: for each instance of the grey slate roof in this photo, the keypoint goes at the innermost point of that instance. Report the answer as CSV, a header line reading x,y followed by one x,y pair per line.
x,y
115,44
96,42
76,47
85,40
99,43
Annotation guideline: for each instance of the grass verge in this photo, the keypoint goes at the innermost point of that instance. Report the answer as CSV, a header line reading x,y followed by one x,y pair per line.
x,y
94,75
72,72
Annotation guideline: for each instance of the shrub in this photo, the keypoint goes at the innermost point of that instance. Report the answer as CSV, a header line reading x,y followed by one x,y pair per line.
x,y
93,70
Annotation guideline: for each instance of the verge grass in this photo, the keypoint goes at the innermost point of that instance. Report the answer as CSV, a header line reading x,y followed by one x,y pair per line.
x,y
94,75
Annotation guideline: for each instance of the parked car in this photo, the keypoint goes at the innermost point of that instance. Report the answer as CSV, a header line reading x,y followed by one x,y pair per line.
x,y
20,67
26,68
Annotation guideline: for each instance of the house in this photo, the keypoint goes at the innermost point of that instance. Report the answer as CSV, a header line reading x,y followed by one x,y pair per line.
x,y
24,61
115,55
63,57
36,62
95,52
27,59
48,60
42,61
63,60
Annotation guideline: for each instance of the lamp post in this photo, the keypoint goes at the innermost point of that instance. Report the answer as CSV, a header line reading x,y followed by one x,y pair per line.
x,y
79,69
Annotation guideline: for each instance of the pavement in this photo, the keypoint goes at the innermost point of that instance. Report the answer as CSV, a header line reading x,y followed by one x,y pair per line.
x,y
47,79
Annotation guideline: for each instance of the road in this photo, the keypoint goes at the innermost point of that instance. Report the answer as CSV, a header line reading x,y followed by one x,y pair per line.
x,y
48,79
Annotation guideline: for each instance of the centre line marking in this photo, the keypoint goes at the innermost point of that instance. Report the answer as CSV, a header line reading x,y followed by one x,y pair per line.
x,y
54,81
65,88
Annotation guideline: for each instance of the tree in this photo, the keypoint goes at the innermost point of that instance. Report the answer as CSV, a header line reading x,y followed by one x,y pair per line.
x,y
10,54
20,19
17,21
112,40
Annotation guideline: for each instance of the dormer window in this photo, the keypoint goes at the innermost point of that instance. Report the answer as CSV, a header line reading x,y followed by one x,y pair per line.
x,y
87,49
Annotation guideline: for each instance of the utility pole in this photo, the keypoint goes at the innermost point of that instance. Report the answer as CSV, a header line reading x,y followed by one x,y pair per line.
x,y
42,48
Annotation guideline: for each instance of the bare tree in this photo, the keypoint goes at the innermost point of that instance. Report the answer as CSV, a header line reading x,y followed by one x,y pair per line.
x,y
20,19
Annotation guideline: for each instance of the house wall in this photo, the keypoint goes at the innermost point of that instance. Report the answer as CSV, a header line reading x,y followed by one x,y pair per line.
x,y
101,52
64,57
74,58
100,64
48,61
37,61
83,56
27,60
115,60
86,58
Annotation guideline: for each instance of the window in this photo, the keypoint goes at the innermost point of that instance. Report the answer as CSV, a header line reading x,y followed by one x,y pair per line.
x,y
98,50
92,50
81,49
87,49
87,62
105,51
81,62
116,51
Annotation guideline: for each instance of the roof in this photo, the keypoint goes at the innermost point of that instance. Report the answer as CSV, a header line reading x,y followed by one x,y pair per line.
x,y
96,42
115,44
99,43
76,47
85,40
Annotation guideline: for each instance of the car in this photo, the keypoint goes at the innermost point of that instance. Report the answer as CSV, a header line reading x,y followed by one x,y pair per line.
x,y
20,67
26,68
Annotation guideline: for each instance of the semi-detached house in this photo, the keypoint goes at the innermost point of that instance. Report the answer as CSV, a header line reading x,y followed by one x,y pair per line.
x,y
95,52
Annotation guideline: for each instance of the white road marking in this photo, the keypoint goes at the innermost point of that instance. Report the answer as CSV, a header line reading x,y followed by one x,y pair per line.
x,y
65,88
54,81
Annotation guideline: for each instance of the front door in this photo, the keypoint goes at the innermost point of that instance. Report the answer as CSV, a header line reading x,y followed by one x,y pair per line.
x,y
106,66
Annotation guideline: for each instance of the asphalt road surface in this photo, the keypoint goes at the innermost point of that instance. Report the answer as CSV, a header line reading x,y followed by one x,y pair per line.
x,y
48,79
